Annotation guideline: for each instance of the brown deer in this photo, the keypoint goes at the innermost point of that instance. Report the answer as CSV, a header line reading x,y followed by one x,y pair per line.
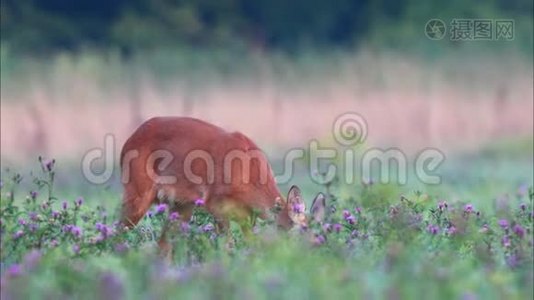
x,y
180,160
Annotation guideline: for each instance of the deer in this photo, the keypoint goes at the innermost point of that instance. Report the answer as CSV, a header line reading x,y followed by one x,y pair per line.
x,y
178,160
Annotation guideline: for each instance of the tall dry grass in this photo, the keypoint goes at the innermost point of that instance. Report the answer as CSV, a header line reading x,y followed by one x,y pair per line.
x,y
408,103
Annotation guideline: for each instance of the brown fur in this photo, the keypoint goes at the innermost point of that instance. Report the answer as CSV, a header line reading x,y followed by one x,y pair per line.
x,y
224,199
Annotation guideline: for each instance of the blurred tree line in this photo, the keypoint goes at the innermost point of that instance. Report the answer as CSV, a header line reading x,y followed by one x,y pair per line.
x,y
49,25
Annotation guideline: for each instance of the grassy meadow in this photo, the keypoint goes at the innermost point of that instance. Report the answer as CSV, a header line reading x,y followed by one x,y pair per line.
x,y
469,237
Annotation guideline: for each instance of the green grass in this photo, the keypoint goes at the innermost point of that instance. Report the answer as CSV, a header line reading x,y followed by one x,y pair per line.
x,y
390,252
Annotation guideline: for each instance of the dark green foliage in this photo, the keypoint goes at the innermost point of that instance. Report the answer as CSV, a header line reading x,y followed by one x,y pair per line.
x,y
41,26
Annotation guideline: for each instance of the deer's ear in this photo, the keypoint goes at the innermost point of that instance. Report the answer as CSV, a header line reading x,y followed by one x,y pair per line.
x,y
318,208
296,206
294,193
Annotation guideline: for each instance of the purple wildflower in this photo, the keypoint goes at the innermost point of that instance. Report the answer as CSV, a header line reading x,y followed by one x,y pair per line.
x,y
31,260
346,214
76,249
337,227
468,208
354,234
33,216
208,227
53,243
33,227
451,230
121,247
504,223
519,230
22,222
351,219
104,230
150,214
442,205
298,208
110,286
185,227
18,234
76,231
67,228
14,270
506,241
319,240
161,208
33,194
55,214
64,205
200,202
358,210
469,296
327,227
49,165
79,201
432,229
102,237
523,206
512,261
174,216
